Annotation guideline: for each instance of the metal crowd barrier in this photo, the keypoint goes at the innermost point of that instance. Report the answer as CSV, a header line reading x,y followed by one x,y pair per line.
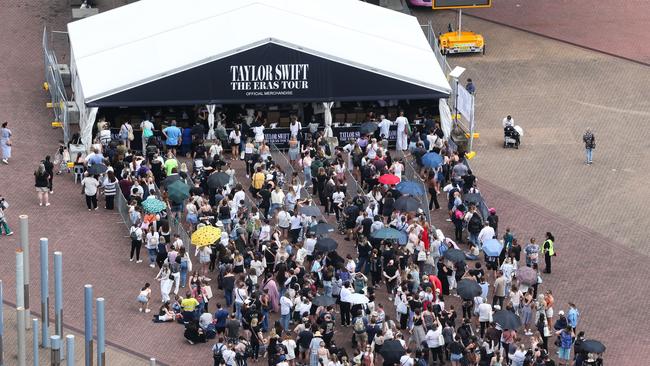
x,y
56,87
411,172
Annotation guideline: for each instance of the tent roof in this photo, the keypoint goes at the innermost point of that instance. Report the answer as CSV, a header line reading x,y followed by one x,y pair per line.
x,y
148,40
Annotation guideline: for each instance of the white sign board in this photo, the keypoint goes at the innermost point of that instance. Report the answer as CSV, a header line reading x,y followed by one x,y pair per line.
x,y
465,103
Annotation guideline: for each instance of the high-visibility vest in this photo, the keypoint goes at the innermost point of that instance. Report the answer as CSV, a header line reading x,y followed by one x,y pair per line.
x,y
551,251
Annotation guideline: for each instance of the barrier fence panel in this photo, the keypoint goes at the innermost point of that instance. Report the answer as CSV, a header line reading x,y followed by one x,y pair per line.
x,y
433,42
55,86
412,173
283,160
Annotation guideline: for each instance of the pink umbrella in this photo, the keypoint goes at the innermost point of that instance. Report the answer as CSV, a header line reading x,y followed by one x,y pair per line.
x,y
389,179
527,276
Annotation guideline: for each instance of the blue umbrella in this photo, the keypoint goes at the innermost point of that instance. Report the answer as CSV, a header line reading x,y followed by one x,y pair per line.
x,y
492,247
432,160
388,233
153,205
412,188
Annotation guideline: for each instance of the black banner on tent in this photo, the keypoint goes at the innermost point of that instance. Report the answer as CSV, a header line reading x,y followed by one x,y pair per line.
x,y
269,73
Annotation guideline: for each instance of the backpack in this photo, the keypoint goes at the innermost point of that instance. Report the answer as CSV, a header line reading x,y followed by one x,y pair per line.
x,y
233,233
475,223
218,355
134,234
358,285
359,327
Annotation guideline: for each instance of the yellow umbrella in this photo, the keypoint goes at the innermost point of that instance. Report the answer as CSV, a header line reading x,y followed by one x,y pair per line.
x,y
206,235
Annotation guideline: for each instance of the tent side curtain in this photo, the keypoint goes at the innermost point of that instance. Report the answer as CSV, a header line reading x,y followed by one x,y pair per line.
x,y
87,115
269,73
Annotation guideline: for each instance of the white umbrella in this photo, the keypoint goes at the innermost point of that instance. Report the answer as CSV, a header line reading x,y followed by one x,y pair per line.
x,y
519,130
358,299
327,115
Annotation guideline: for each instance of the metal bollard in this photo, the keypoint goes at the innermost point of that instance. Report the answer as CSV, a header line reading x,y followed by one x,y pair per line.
x,y
88,324
58,297
55,356
24,240
69,350
45,295
35,341
152,361
101,356
2,326
20,324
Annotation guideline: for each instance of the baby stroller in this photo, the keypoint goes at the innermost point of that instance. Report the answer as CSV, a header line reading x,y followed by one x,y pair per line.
x,y
511,137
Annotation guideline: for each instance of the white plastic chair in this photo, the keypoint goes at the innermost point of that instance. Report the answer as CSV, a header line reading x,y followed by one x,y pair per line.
x,y
78,173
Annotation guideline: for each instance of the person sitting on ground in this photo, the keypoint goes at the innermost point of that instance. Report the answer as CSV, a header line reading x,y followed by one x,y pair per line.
x,y
165,314
194,333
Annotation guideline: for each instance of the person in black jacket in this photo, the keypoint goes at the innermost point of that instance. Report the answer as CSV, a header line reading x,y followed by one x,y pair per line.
x,y
49,169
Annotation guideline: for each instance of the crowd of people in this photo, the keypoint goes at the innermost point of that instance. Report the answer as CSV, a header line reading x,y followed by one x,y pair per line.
x,y
287,296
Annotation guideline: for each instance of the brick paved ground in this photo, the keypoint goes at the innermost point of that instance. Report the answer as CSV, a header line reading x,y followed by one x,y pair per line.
x,y
597,213
95,247
114,355
617,27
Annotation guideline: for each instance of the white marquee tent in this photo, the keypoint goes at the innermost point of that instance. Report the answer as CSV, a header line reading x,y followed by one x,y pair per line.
x,y
118,54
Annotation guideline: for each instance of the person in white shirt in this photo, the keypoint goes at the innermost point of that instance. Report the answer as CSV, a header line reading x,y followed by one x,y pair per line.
x,y
235,141
377,224
136,241
285,311
508,121
309,244
265,231
241,295
397,168
259,133
345,305
295,127
484,316
229,356
290,344
486,233
406,360
301,254
433,342
384,127
277,199
402,132
371,149
296,226
239,197
337,198
90,185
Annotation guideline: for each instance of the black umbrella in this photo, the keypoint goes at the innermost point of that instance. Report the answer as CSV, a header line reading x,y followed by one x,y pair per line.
x,y
217,180
323,300
322,228
507,319
96,169
367,127
352,211
474,198
592,346
392,351
455,255
326,245
407,204
310,211
468,289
